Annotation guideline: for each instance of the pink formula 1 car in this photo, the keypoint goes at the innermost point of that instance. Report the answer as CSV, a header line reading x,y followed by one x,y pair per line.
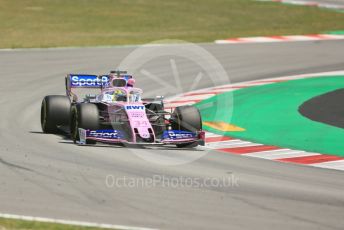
x,y
116,113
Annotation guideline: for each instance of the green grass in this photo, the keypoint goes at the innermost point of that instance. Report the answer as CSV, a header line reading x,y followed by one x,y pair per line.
x,y
339,32
12,224
50,23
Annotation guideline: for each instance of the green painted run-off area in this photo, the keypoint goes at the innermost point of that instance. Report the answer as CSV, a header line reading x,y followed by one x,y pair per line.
x,y
269,113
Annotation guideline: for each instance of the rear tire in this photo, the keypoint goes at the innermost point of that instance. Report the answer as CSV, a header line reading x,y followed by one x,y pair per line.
x,y
187,118
55,112
84,116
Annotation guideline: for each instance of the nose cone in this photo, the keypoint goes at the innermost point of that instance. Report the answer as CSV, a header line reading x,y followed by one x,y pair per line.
x,y
144,133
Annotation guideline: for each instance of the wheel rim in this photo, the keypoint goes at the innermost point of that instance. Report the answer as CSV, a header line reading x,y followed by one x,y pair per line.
x,y
75,126
44,115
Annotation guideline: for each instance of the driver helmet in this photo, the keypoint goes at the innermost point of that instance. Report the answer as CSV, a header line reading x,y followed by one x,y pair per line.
x,y
131,82
119,96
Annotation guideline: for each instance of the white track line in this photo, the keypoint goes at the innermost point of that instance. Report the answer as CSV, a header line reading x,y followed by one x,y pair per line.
x,y
308,3
280,154
224,89
228,144
71,222
291,154
289,38
208,134
194,97
177,104
339,164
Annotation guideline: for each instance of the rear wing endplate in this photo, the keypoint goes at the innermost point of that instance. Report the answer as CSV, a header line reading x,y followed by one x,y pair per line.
x,y
85,81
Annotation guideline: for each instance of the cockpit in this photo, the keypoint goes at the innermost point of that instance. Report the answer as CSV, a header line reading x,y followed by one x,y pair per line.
x,y
129,95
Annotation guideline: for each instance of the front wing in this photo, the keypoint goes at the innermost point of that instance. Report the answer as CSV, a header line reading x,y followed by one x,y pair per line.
x,y
116,136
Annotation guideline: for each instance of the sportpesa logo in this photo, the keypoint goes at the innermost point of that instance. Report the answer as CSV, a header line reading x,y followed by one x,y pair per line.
x,y
179,134
88,80
105,134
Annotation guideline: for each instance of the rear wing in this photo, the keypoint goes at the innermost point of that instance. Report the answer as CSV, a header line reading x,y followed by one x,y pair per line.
x,y
79,85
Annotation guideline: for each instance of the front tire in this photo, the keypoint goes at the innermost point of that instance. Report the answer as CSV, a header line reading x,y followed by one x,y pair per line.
x,y
187,118
55,112
85,116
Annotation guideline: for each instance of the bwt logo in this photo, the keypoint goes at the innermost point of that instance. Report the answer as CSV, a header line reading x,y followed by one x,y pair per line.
x,y
107,135
139,107
88,81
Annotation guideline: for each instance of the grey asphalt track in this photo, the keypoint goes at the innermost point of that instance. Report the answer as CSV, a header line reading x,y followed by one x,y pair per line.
x,y
46,175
